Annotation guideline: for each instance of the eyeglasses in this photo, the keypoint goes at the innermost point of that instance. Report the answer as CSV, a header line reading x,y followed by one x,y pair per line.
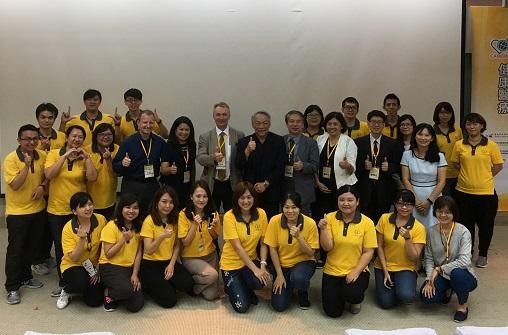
x,y
30,139
377,122
404,204
406,125
313,115
105,135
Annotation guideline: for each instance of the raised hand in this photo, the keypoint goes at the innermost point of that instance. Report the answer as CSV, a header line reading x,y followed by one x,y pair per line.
x,y
295,230
106,154
218,156
127,234
117,117
368,163
156,116
384,165
344,164
126,161
27,159
251,146
66,116
323,223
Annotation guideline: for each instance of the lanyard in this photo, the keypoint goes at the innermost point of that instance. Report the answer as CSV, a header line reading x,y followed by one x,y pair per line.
x,y
329,152
147,154
186,158
448,240
291,149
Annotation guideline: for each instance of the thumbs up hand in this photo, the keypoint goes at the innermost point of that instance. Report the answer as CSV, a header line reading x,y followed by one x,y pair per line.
x,y
173,169
384,165
368,163
323,222
218,156
295,230
126,161
298,164
344,164
27,159
251,146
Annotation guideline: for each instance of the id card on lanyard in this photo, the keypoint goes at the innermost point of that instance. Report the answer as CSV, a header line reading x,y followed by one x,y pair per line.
x,y
148,168
289,170
327,170
186,172
221,165
374,171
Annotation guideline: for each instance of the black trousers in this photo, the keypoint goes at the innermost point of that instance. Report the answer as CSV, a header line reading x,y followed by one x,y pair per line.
x,y
117,279
222,194
144,190
77,281
56,224
108,213
24,234
335,292
479,210
161,290
45,243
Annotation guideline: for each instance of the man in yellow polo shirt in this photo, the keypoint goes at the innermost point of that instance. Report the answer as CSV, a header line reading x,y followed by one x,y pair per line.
x,y
90,118
23,171
391,105
355,127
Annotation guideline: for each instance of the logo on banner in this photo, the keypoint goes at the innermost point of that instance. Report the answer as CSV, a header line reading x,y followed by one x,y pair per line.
x,y
500,47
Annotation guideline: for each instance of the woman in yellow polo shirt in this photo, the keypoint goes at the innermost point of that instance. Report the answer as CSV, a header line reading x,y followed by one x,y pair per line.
x,y
349,237
81,246
198,227
244,228
102,151
68,169
478,160
400,239
292,238
161,273
447,133
121,256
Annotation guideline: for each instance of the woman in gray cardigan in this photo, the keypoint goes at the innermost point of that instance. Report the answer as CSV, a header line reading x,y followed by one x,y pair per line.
x,y
448,259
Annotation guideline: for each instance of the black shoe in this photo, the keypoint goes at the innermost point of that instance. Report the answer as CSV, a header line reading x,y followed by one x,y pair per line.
x,y
253,298
303,300
109,304
460,315
319,264
447,297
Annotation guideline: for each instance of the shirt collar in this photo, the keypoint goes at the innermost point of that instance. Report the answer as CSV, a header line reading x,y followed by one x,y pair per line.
x,y
356,219
93,223
483,141
408,225
225,131
438,130
372,139
53,135
21,156
254,216
84,118
356,125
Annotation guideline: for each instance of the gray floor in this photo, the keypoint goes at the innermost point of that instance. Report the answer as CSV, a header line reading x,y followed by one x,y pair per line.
x,y
37,311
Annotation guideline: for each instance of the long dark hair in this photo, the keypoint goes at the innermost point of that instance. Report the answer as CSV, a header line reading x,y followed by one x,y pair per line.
x,y
238,191
447,107
402,118
432,154
172,132
209,207
154,212
127,199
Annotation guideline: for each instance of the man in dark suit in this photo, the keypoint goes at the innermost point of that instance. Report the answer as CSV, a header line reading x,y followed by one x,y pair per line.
x,y
260,159
301,161
378,158
217,155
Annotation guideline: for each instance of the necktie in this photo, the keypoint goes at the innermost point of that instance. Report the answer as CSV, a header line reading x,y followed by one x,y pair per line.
x,y
376,149
221,174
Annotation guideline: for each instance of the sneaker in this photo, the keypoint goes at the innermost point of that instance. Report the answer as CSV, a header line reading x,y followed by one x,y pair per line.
x,y
460,315
481,262
32,283
109,304
63,300
355,308
319,264
56,292
303,300
13,298
50,263
40,269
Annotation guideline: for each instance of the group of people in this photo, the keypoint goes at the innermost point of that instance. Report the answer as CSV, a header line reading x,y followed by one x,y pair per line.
x,y
319,196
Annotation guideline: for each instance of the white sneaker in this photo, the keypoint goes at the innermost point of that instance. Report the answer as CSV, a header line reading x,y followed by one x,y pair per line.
x,y
63,300
40,269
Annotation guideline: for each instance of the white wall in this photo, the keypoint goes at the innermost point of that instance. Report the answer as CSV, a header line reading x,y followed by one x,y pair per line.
x,y
253,54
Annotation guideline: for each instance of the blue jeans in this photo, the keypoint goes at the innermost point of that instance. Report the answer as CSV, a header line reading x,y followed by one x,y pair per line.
x,y
239,285
297,277
404,288
461,282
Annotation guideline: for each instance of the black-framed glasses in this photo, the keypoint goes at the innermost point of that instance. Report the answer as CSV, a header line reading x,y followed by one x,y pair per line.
x,y
30,139
404,204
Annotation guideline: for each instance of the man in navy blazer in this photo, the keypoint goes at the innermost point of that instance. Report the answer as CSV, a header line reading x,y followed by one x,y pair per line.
x,y
301,162
377,160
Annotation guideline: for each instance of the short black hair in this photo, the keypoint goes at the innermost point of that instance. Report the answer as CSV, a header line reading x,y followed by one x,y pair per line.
x,y
446,201
405,196
26,127
133,93
348,188
293,112
339,117
391,96
79,199
71,128
294,197
46,106
351,100
91,93
475,118
447,107
376,113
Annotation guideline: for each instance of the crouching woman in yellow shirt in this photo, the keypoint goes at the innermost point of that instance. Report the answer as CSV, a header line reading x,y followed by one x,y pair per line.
x,y
293,239
349,237
81,245
161,274
121,256
244,227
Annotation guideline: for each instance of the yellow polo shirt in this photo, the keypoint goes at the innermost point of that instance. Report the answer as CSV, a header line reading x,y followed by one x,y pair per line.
x,y
390,131
446,144
127,254
291,254
150,230
361,128
69,180
475,174
395,251
128,127
19,202
56,140
237,230
202,244
346,252
90,249
102,190
81,120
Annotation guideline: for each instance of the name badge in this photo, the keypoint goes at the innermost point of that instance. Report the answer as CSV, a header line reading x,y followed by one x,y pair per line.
x,y
374,173
186,177
327,172
288,172
149,171
221,165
